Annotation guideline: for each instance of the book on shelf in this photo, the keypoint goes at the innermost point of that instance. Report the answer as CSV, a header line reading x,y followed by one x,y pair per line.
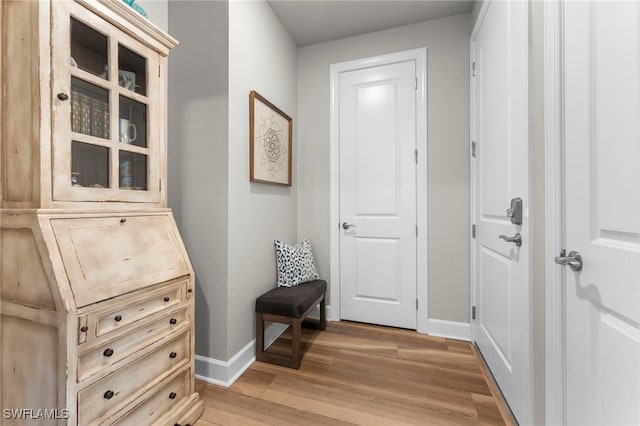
x,y
75,111
89,116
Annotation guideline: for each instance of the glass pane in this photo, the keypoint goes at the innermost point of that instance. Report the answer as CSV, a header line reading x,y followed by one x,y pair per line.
x,y
89,109
133,171
89,49
132,70
89,165
133,122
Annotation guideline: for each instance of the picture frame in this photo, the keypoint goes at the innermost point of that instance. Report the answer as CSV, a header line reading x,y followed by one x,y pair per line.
x,y
270,142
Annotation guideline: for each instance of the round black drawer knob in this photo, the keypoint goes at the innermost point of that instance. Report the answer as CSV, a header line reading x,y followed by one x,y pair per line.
x,y
84,328
172,395
63,96
107,352
190,290
118,318
166,299
172,355
108,394
173,321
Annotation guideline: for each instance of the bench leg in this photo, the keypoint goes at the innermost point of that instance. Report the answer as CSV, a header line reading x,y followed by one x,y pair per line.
x,y
296,333
295,324
259,337
323,314
318,324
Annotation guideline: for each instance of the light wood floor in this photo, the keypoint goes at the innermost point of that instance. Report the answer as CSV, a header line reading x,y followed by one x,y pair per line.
x,y
361,374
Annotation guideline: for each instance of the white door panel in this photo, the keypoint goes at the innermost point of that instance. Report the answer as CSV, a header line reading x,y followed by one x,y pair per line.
x,y
501,173
602,210
378,194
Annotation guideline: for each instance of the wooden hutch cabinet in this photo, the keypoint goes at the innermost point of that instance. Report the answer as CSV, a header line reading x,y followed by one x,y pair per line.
x,y
97,291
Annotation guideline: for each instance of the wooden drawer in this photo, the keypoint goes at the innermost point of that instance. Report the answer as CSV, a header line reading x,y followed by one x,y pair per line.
x,y
124,315
109,395
171,395
96,359
105,257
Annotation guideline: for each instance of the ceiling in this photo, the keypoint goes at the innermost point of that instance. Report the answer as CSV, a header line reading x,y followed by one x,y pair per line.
x,y
314,21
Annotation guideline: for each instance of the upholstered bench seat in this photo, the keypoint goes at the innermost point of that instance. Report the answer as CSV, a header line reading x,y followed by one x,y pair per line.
x,y
291,301
289,305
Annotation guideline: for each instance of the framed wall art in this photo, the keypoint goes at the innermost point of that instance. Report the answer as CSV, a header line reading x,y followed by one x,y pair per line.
x,y
270,139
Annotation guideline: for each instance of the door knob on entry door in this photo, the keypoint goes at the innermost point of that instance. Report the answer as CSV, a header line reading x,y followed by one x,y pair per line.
x,y
346,225
574,260
515,239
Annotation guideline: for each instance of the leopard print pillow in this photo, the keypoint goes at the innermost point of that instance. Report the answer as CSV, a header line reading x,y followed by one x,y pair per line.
x,y
295,263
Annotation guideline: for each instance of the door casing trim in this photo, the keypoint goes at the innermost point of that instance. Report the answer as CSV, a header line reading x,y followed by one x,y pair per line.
x,y
420,57
555,398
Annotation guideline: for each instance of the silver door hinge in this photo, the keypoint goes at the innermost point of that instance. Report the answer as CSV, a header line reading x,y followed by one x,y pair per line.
x,y
473,312
416,304
416,230
473,70
473,231
158,70
473,148
416,152
416,84
160,184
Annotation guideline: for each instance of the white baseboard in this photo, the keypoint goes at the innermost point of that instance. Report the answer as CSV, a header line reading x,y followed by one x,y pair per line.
x,y
449,329
224,373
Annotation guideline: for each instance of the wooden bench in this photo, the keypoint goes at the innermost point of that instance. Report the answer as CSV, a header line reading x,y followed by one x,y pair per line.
x,y
289,305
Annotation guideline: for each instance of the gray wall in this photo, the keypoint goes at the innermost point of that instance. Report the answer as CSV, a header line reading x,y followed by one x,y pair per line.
x,y
198,152
447,42
228,224
262,57
157,11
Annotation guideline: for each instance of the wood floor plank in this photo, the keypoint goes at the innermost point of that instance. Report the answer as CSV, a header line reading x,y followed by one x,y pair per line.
x,y
488,412
253,383
458,346
391,389
368,405
410,371
361,374
236,409
453,360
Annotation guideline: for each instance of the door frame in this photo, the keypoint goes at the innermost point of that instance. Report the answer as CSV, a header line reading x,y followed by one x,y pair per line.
x,y
420,57
528,374
555,339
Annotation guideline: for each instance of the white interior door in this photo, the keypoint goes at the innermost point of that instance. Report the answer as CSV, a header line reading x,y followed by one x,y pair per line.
x,y
602,212
378,194
501,173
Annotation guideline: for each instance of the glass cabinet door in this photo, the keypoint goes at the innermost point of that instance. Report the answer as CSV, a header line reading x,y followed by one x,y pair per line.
x,y
108,148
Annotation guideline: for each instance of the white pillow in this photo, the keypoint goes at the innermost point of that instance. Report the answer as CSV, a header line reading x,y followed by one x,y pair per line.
x,y
295,263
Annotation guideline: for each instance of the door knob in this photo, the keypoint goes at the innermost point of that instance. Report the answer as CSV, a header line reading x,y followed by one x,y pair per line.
x,y
346,225
574,260
515,239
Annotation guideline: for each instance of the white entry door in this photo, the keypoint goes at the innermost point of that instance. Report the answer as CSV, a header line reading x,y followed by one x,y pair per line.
x,y
602,212
500,263
378,194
